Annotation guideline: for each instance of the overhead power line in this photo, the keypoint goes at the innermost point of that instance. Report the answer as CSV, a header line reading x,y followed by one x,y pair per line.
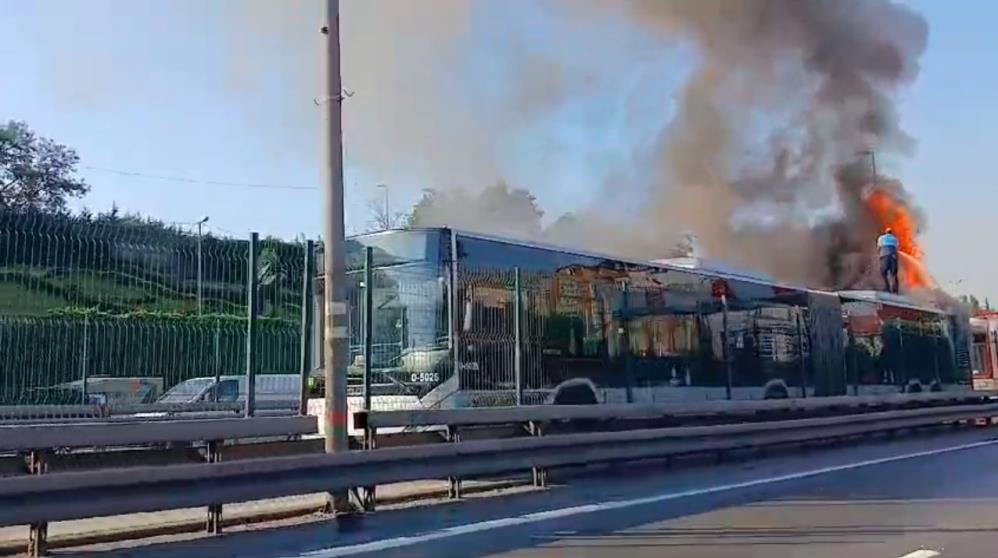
x,y
196,181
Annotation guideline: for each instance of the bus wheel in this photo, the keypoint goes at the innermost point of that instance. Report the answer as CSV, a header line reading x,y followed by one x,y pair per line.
x,y
776,389
575,394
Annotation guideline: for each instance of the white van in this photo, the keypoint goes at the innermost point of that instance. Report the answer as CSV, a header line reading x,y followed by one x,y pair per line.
x,y
106,390
272,391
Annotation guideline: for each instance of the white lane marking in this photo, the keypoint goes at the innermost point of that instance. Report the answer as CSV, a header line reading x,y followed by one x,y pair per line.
x,y
458,530
921,554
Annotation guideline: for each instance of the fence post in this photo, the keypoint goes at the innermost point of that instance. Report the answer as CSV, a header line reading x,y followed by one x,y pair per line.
x,y
935,361
200,268
903,364
726,347
800,350
625,349
455,313
251,287
85,356
306,325
854,358
368,323
517,336
218,360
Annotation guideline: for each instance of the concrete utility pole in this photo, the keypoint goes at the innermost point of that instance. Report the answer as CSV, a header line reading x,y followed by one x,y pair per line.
x,y
335,334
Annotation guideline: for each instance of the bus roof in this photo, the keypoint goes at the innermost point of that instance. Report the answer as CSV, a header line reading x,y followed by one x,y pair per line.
x,y
696,266
891,299
729,272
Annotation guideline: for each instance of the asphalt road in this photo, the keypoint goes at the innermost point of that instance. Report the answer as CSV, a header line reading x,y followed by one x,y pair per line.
x,y
913,498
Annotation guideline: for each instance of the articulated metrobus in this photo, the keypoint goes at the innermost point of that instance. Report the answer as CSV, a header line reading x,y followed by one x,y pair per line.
x,y
462,319
984,350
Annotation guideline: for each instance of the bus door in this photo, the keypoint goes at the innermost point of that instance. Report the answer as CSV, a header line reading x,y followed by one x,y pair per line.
x,y
984,354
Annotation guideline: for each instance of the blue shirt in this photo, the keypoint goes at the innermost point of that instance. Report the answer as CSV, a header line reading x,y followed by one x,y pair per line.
x,y
887,244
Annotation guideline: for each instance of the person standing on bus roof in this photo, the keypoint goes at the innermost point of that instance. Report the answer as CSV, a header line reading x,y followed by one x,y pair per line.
x,y
887,247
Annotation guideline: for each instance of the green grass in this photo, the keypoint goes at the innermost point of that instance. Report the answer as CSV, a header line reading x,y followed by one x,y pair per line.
x,y
16,300
36,290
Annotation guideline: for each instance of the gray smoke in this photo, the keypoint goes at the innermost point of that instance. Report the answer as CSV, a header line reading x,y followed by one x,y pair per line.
x,y
761,160
757,156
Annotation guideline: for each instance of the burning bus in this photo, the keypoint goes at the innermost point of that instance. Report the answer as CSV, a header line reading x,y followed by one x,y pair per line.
x,y
984,350
897,344
463,319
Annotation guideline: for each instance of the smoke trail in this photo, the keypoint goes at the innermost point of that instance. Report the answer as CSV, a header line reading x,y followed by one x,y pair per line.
x,y
785,94
755,151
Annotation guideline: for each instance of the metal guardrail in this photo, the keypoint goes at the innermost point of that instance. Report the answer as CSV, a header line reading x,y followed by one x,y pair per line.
x,y
40,441
62,413
632,411
102,434
82,495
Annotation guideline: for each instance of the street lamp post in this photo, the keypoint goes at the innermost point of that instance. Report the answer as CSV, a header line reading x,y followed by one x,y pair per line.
x,y
201,266
873,163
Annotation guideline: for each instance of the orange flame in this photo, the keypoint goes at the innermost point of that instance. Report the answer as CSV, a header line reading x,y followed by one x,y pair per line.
x,y
889,212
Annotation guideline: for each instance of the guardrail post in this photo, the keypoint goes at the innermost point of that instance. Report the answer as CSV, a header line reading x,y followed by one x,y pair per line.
x,y
361,421
363,498
366,496
454,491
37,532
538,474
213,454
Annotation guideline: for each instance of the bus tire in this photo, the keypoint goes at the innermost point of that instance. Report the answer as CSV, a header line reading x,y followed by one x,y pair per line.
x,y
577,391
776,389
914,386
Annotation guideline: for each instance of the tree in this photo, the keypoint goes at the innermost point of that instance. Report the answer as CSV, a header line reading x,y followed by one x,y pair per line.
x,y
497,209
36,173
381,221
271,273
971,302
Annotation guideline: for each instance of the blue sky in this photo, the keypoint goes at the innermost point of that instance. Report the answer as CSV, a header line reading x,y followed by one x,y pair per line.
x,y
210,91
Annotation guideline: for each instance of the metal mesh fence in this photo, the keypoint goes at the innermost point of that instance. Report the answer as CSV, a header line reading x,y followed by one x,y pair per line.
x,y
134,308
411,354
